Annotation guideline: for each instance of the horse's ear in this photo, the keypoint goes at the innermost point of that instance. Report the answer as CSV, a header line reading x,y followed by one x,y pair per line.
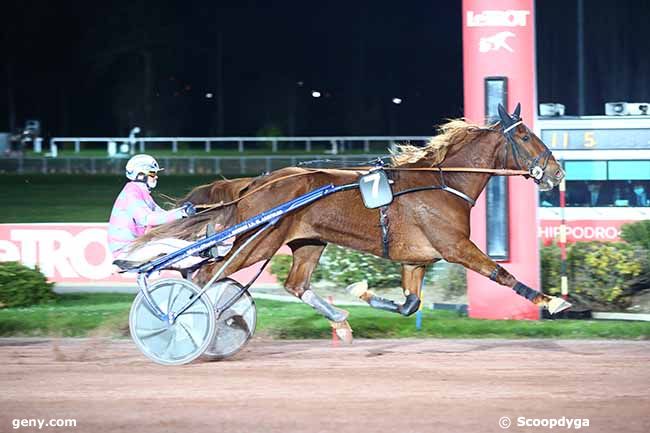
x,y
517,112
504,116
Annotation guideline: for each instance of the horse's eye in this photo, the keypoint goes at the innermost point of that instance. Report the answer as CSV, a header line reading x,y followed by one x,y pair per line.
x,y
526,137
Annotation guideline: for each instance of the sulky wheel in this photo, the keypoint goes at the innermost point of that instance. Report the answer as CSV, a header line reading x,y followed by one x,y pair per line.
x,y
182,341
236,325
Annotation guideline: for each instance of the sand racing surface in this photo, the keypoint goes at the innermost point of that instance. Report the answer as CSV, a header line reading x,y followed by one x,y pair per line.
x,y
310,386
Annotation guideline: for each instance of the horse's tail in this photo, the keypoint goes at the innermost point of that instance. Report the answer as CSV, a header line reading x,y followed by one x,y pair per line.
x,y
221,191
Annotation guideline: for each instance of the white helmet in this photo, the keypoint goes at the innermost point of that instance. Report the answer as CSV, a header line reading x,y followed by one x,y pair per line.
x,y
140,167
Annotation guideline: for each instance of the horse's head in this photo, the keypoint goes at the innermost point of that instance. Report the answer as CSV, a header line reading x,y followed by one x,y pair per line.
x,y
528,151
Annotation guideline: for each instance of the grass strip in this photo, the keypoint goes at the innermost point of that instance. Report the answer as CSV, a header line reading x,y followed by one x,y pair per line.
x,y
106,314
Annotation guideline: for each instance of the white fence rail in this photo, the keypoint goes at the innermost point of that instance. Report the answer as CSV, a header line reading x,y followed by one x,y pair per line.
x,y
336,144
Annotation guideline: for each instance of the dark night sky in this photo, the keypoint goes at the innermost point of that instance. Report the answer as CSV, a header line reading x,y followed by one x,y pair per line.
x,y
98,68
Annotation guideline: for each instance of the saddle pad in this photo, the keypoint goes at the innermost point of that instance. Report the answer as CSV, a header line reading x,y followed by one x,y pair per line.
x,y
375,189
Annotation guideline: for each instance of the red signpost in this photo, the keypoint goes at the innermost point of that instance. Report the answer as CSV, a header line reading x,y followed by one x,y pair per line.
x,y
499,41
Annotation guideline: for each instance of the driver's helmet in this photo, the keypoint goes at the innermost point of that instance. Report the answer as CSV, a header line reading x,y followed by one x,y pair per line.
x,y
141,167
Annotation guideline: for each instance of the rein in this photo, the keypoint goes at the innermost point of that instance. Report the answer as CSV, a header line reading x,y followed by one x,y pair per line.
x,y
494,171
207,207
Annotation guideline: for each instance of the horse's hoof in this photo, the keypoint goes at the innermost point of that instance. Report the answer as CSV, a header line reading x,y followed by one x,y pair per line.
x,y
343,331
557,305
358,289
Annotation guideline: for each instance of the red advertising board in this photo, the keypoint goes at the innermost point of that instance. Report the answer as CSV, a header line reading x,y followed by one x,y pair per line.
x,y
75,253
498,40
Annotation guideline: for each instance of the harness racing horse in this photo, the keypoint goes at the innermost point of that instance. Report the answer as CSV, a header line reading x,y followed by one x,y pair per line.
x,y
429,217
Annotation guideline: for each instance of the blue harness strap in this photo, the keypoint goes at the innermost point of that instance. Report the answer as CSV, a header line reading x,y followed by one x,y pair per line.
x,y
243,227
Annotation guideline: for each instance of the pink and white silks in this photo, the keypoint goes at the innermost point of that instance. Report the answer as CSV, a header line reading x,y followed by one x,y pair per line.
x,y
134,212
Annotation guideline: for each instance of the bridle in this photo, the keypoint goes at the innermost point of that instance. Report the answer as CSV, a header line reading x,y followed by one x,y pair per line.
x,y
535,165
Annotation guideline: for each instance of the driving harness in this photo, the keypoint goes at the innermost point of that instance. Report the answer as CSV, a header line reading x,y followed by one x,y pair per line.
x,y
532,166
381,183
384,221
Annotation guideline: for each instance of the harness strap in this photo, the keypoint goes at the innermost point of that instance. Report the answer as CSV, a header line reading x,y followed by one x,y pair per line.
x,y
495,171
441,188
513,126
529,161
384,222
460,194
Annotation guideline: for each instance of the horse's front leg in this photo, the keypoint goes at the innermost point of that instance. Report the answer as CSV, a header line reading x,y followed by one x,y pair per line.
x,y
466,253
412,277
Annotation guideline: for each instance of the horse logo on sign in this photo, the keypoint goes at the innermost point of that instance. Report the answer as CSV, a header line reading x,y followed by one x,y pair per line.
x,y
496,42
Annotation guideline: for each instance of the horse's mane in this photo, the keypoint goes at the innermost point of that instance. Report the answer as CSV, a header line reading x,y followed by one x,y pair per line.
x,y
455,133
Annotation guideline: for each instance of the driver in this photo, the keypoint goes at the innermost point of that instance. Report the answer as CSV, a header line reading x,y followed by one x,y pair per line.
x,y
135,211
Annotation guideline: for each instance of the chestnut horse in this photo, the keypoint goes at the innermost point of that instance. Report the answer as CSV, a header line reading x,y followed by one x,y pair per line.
x,y
425,225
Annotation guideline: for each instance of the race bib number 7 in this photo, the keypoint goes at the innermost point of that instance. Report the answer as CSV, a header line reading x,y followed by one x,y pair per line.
x,y
375,189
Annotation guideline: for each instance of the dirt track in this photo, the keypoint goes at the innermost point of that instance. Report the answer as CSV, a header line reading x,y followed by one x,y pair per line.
x,y
308,386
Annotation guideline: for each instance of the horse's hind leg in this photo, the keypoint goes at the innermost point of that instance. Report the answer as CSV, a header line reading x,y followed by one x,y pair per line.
x,y
412,277
306,254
